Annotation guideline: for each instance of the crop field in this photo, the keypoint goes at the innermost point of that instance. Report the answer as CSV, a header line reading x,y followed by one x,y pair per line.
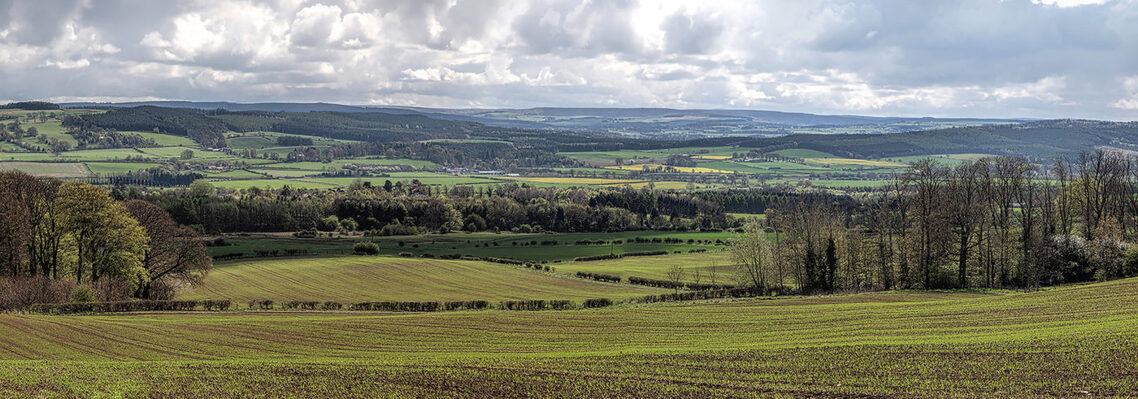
x,y
527,247
117,167
47,169
679,169
573,181
656,267
854,162
357,279
1072,341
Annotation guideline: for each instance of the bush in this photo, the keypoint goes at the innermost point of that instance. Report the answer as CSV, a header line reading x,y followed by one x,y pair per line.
x,y
599,277
220,305
646,253
332,305
22,292
266,304
536,304
82,294
305,234
595,257
406,254
366,248
468,305
396,306
598,303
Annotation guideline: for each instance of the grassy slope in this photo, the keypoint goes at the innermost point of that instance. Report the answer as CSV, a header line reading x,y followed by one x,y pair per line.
x,y
1063,342
359,279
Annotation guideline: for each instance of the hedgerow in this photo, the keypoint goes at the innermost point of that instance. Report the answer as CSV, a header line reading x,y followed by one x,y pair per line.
x,y
599,277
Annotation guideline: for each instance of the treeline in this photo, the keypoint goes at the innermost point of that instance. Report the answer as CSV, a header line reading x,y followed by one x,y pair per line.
x,y
414,209
992,223
208,132
31,106
109,249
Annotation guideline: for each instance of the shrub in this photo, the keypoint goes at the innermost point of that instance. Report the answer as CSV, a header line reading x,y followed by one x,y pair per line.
x,y
18,293
595,257
332,305
305,234
561,305
599,277
598,303
523,305
366,248
82,294
646,253
406,254
396,306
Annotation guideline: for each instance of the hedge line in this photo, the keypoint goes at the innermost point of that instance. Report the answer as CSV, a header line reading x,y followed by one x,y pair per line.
x,y
673,285
128,306
749,292
616,256
599,277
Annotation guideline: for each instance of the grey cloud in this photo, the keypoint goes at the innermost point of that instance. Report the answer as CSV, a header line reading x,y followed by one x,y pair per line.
x,y
934,57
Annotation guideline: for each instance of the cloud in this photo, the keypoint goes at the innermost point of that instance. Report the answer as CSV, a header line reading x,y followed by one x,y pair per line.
x,y
1034,58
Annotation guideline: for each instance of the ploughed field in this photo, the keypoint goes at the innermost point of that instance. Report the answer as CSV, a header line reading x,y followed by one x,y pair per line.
x,y
1069,341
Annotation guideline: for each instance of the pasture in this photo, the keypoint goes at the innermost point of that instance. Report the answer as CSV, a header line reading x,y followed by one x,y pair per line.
x,y
1070,341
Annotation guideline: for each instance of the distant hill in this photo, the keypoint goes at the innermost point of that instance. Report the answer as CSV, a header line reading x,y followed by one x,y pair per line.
x,y
658,123
1034,139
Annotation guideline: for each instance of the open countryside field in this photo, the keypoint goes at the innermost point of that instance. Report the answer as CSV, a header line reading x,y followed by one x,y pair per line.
x,y
1071,341
358,279
47,169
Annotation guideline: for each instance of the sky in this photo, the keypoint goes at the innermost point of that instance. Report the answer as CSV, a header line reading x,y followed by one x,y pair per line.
x,y
944,58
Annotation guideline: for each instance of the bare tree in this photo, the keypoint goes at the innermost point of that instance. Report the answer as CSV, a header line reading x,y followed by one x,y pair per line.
x,y
751,254
676,277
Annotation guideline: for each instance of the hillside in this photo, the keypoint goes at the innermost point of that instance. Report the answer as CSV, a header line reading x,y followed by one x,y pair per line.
x,y
1076,340
1034,139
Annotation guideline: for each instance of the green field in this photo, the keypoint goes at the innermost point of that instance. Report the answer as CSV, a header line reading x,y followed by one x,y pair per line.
x,y
1071,341
656,267
47,169
358,279
526,247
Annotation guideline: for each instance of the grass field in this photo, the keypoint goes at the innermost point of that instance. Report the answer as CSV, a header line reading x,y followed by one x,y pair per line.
x,y
358,279
854,162
47,169
680,169
1072,341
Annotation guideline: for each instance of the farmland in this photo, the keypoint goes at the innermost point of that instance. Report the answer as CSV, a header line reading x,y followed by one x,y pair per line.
x,y
1069,341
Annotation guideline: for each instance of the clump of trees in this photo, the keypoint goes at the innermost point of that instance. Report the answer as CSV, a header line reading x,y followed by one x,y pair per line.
x,y
990,223
53,231
399,209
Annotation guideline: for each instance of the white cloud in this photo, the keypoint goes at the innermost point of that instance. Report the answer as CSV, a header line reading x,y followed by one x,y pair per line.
x,y
1039,58
1130,102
